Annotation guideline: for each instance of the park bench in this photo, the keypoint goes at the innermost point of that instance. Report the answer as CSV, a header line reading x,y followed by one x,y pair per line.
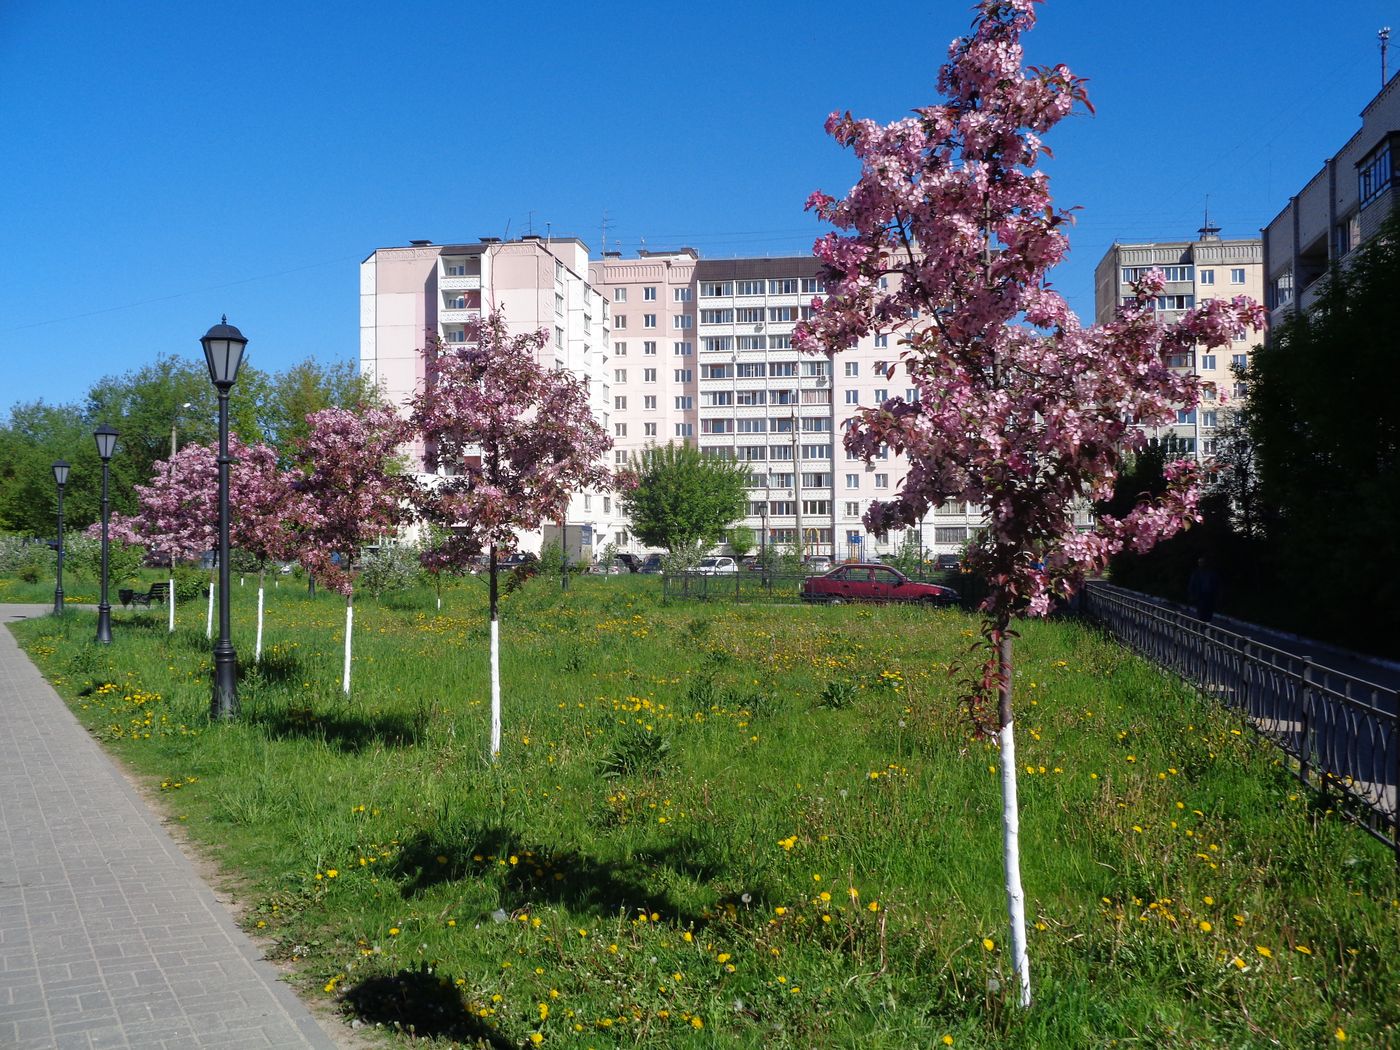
x,y
159,592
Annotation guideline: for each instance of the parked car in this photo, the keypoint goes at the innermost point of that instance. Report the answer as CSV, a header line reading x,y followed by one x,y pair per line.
x,y
516,560
872,582
947,563
719,565
651,564
816,563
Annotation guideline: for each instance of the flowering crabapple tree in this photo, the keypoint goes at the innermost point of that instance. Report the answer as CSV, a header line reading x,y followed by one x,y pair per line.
x,y
509,441
351,493
178,513
266,513
945,241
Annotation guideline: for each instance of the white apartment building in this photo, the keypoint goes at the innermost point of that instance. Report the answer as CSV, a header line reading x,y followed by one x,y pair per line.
x,y
410,295
1196,272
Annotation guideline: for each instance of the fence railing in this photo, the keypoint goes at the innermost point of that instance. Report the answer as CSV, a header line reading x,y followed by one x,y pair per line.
x,y
782,588
1343,732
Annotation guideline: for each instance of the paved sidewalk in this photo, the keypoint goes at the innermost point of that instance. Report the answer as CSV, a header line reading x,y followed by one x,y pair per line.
x,y
108,937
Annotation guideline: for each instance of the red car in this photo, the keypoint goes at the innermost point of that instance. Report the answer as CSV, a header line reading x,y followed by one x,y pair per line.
x,y
870,582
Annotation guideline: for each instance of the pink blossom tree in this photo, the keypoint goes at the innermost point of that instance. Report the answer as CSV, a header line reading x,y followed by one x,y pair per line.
x,y
351,493
179,511
951,231
266,513
509,440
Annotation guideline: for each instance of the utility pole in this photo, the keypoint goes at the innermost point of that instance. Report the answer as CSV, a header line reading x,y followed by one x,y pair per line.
x,y
1384,36
797,474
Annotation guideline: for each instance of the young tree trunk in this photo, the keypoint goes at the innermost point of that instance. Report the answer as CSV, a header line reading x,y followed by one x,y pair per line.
x,y
349,627
495,667
310,586
170,598
209,616
1011,823
438,581
257,648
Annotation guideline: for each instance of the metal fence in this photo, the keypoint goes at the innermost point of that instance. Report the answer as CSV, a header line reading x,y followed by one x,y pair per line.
x,y
782,588
1343,732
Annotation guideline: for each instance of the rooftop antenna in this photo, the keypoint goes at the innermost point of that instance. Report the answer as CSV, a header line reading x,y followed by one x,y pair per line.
x,y
547,227
1384,36
1207,231
605,231
530,221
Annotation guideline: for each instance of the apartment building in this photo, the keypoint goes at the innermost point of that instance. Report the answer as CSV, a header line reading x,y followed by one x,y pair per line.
x,y
410,295
653,363
1338,209
1196,272
674,347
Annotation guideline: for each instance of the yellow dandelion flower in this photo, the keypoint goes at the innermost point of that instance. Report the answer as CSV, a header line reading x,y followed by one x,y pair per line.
x,y
1265,952
874,905
989,944
947,1040
1302,948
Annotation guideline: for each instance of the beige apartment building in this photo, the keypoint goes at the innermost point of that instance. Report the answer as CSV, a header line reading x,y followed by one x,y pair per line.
x,y
1196,271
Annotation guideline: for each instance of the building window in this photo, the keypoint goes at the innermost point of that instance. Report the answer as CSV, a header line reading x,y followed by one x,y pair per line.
x,y
780,342
1374,174
648,348
717,316
649,430
682,349
619,403
852,397
750,370
685,430
558,305
716,371
852,368
1241,391
852,481
619,349
619,375
752,426
559,271
649,402
717,344
1239,360
749,288
681,321
716,426
816,506
559,337
749,315
1207,362
882,481
782,314
648,375
1184,417
752,397
1208,419
882,342
853,510
619,295
684,375
1175,302
649,294
1177,273
685,404
751,342
1207,276
881,396
682,295
620,430
619,322
816,451
783,287
648,320
813,285
715,399
620,457
782,369
716,289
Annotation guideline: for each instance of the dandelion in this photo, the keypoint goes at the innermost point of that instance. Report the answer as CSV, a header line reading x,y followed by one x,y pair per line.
x,y
1340,1035
1303,948
536,1037
947,1040
989,944
1265,952
695,1022
874,905
780,910
1205,926
393,931
331,873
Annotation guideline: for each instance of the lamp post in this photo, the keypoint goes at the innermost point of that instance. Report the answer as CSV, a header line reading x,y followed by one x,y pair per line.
x,y
763,539
60,475
106,439
223,353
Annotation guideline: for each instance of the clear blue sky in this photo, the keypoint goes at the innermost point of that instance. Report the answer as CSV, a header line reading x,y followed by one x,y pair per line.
x,y
164,163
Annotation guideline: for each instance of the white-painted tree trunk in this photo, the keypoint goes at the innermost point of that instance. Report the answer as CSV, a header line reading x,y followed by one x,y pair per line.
x,y
257,648
1011,852
1011,822
349,627
495,689
209,617
170,603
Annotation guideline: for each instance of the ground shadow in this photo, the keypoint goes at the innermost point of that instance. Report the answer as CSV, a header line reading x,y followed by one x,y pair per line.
x,y
424,1004
534,874
346,730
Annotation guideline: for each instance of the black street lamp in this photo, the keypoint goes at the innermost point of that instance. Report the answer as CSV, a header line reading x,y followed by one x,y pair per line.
x,y
106,439
223,352
60,475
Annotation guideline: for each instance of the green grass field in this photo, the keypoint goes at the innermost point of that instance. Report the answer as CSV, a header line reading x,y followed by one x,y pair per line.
x,y
747,826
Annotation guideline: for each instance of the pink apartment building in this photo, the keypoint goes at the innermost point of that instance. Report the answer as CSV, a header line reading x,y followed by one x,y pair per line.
x,y
675,347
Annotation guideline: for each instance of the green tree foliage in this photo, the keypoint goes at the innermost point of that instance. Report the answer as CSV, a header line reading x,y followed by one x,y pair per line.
x,y
143,404
677,499
1325,422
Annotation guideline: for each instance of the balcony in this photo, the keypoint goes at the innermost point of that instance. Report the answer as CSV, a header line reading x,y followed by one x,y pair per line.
x,y
470,283
457,316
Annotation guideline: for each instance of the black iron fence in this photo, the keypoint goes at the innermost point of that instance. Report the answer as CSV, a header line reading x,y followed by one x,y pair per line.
x,y
1343,732
786,588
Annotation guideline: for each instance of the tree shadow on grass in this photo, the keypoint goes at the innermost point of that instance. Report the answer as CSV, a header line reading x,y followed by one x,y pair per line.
x,y
345,730
535,874
276,667
424,1004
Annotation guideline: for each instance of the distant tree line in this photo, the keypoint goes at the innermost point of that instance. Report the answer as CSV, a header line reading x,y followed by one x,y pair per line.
x,y
265,407
1303,517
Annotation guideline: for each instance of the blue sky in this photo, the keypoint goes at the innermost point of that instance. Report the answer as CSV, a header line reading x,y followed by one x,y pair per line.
x,y
165,162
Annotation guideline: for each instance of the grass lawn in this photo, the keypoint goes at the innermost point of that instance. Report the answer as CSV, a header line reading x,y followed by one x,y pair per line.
x,y
747,826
